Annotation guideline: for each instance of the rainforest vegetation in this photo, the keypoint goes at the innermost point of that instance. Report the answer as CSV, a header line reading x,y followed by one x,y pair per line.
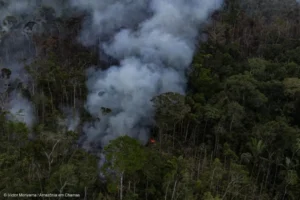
x,y
235,135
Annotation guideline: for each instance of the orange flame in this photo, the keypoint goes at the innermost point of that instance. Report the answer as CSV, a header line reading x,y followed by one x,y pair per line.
x,y
152,141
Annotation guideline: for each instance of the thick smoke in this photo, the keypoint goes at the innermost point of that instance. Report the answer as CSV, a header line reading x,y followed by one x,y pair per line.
x,y
109,16
154,41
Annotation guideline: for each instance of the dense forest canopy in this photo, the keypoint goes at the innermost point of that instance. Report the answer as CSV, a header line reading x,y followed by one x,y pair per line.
x,y
215,84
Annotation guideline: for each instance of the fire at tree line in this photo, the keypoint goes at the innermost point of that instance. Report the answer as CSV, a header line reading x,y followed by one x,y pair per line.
x,y
233,134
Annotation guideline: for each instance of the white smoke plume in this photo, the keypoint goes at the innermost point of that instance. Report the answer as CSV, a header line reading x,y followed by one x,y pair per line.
x,y
154,41
12,100
71,118
21,109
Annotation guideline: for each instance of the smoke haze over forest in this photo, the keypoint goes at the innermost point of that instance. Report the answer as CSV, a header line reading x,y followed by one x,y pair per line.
x,y
153,40
150,99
